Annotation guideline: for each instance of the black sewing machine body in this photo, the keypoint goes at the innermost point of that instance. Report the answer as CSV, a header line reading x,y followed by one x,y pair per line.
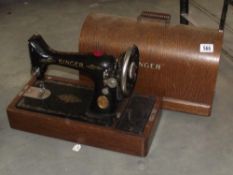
x,y
100,68
113,78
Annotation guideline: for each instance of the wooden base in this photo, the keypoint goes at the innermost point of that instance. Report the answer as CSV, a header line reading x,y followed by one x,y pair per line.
x,y
83,133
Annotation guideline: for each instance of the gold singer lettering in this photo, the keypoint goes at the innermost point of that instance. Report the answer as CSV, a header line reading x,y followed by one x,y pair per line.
x,y
71,63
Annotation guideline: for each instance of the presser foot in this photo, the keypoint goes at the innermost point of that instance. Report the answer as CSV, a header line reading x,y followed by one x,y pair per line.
x,y
37,93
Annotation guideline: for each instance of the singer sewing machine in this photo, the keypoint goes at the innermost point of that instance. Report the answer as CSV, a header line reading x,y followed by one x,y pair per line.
x,y
103,112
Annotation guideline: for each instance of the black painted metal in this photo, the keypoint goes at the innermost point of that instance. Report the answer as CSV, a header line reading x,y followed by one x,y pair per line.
x,y
66,100
231,2
184,9
97,66
224,14
137,114
88,64
72,102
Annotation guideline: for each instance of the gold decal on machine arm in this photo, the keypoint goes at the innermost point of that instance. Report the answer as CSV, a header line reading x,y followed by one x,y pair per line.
x,y
69,98
94,67
72,63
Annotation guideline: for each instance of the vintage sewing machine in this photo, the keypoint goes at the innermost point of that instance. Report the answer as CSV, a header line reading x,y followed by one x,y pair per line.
x,y
178,64
107,115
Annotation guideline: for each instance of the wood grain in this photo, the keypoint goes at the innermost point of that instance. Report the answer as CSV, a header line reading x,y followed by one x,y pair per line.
x,y
172,65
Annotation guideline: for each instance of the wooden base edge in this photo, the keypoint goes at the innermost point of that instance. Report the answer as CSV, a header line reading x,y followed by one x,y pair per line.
x,y
186,106
88,134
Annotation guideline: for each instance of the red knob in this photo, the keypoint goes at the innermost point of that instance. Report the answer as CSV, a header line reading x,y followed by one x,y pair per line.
x,y
98,53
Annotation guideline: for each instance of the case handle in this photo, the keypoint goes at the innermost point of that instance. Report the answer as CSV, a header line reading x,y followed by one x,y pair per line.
x,y
159,17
